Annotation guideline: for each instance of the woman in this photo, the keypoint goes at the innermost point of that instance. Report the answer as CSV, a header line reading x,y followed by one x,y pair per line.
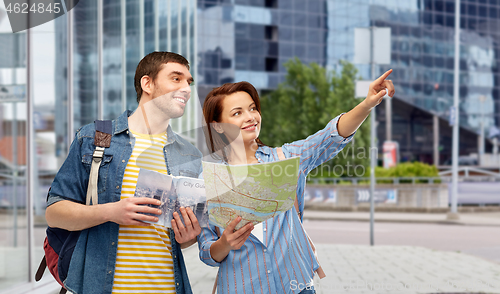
x,y
283,260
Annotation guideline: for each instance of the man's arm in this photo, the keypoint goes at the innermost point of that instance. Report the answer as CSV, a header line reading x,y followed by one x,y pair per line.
x,y
351,121
74,216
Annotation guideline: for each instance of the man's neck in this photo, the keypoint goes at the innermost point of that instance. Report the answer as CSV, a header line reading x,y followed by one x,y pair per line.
x,y
148,120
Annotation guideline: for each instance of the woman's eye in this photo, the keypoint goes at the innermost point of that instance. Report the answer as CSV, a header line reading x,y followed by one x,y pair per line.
x,y
236,113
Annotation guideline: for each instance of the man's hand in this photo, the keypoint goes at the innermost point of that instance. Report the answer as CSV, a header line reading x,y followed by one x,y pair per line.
x,y
186,234
378,90
129,211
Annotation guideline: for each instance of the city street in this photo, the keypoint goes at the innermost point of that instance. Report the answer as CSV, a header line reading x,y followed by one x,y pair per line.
x,y
481,241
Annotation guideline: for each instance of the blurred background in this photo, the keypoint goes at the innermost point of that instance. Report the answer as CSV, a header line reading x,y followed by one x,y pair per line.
x,y
300,55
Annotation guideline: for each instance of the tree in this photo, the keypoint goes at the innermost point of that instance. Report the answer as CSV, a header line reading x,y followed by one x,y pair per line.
x,y
308,99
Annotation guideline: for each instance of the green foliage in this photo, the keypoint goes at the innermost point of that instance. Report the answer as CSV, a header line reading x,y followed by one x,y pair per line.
x,y
302,105
406,170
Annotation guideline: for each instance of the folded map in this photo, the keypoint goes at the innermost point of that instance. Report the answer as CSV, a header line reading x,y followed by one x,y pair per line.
x,y
256,192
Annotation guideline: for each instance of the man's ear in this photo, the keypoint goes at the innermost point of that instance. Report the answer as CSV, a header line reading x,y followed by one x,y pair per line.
x,y
147,84
217,127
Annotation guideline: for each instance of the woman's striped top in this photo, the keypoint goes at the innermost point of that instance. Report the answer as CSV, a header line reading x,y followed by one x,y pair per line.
x,y
144,262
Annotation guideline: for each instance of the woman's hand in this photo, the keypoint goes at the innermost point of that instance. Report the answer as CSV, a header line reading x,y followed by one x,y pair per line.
x,y
233,240
378,90
230,240
350,122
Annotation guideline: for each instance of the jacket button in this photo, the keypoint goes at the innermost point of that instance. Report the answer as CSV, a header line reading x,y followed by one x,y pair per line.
x,y
117,187
123,160
109,272
112,243
177,284
175,256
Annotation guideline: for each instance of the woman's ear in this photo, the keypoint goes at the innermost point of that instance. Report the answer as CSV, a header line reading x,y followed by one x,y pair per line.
x,y
217,127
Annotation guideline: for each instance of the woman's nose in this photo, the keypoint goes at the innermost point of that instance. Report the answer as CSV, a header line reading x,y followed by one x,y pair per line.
x,y
250,116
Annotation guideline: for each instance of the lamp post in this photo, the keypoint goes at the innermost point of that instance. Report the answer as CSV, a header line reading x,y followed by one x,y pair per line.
x,y
482,99
378,52
453,215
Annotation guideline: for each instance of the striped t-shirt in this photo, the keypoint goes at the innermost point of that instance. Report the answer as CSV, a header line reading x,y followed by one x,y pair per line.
x,y
144,262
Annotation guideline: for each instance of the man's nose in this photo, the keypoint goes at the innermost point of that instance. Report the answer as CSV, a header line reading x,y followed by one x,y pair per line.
x,y
186,89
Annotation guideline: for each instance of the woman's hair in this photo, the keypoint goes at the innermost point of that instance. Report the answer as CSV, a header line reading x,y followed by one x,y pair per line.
x,y
212,110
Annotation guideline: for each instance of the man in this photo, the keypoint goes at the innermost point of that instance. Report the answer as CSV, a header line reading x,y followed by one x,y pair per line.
x,y
118,251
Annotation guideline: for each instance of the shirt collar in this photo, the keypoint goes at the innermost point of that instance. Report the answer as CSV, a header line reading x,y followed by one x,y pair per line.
x,y
264,149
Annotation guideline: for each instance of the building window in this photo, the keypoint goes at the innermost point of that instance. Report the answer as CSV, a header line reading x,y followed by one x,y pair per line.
x,y
271,64
271,3
271,33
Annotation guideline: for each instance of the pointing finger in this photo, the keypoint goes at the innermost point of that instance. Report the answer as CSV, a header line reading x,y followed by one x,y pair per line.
x,y
381,79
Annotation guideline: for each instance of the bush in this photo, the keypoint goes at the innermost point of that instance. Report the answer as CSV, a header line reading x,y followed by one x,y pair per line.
x,y
406,170
402,170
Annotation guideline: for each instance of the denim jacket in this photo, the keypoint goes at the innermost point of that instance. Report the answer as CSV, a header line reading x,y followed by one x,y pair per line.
x,y
93,261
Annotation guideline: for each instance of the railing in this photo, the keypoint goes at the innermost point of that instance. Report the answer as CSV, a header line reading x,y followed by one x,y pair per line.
x,y
404,180
468,170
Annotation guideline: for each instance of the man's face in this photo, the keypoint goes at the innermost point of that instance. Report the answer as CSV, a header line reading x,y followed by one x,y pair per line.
x,y
171,89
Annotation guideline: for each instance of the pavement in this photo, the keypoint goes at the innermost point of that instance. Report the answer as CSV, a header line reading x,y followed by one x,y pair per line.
x,y
470,219
360,269
382,269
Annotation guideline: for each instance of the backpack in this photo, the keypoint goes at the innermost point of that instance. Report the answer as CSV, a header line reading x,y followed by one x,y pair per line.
x,y
59,243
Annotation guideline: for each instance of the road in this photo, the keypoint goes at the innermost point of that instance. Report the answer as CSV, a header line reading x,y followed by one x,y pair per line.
x,y
481,241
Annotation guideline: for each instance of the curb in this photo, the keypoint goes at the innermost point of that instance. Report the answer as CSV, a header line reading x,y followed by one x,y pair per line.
x,y
439,222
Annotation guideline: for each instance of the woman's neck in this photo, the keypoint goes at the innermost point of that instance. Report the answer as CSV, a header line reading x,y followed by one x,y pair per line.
x,y
246,155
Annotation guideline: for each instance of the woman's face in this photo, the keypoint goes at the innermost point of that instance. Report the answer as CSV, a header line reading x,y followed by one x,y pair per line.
x,y
240,115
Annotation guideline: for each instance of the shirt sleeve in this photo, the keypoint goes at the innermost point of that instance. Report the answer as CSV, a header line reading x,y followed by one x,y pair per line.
x,y
206,238
70,182
317,148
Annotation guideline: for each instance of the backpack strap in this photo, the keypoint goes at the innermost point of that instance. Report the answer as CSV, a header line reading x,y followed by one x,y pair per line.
x,y
41,269
102,140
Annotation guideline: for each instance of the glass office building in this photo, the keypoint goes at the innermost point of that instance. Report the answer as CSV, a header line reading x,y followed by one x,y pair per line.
x,y
251,39
54,79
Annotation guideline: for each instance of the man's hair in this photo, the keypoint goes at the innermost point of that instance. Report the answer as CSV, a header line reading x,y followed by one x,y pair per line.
x,y
151,65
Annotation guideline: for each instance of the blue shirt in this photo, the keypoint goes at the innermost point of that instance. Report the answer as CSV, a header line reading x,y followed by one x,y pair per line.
x,y
286,258
93,261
